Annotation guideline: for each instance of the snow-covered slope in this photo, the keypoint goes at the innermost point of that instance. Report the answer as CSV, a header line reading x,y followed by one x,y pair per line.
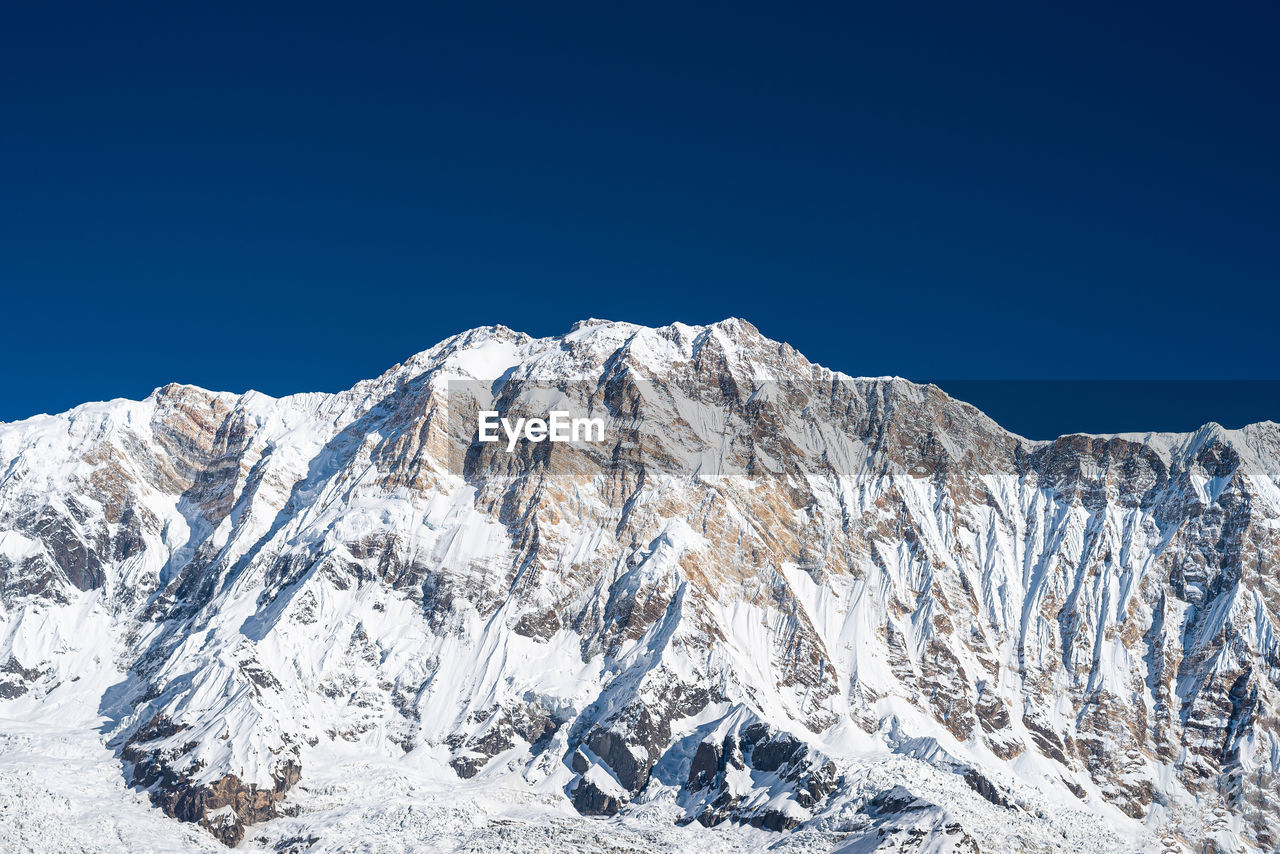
x,y
777,608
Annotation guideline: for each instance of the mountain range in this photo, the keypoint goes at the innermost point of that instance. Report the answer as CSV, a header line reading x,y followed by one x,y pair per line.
x,y
776,608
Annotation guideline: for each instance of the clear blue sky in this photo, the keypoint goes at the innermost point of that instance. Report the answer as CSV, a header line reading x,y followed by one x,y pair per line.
x,y
298,198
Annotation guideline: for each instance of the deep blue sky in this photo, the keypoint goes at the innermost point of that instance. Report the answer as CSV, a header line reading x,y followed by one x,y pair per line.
x,y
296,199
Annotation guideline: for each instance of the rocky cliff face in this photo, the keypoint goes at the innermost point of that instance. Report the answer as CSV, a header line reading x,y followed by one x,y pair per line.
x,y
775,597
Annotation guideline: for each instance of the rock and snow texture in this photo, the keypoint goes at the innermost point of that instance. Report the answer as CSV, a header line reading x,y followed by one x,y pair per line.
x,y
778,608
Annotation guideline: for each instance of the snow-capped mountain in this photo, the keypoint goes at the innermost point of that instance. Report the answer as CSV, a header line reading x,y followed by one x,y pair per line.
x,y
777,607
